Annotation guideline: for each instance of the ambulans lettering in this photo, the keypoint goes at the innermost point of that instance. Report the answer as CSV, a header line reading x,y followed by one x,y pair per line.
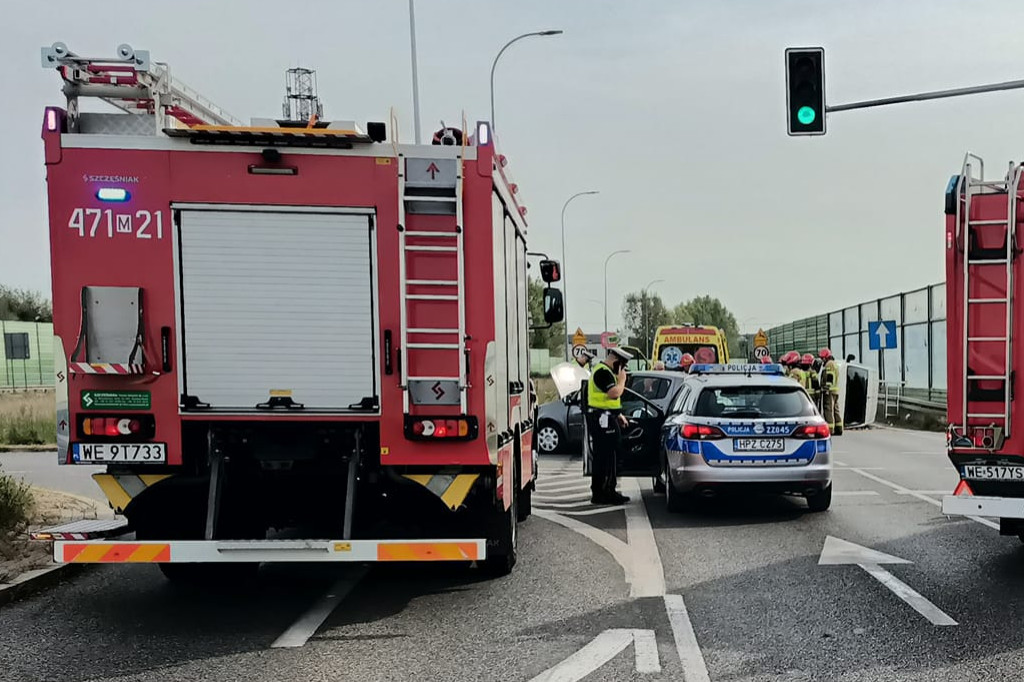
x,y
92,221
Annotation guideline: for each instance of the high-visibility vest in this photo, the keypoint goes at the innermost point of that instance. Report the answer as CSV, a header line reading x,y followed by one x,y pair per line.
x,y
598,399
799,375
831,371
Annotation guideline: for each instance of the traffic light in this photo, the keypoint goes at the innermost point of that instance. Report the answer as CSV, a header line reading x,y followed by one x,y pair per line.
x,y
805,90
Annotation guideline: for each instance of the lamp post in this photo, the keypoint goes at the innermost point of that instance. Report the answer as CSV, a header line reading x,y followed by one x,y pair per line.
x,y
565,282
553,32
610,255
643,312
415,74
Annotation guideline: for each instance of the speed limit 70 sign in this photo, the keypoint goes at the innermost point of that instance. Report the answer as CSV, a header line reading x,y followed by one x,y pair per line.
x,y
760,352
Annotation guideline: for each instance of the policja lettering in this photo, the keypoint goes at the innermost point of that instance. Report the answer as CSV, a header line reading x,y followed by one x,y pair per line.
x,y
604,423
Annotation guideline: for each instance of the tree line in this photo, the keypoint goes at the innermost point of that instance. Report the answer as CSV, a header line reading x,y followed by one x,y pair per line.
x,y
23,305
642,315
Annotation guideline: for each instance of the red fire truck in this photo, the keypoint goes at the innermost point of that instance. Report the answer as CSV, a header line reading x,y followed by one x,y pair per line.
x,y
287,341
985,436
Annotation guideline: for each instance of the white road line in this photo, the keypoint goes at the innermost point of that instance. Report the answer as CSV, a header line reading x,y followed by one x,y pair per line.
x,y
927,609
591,512
647,569
853,493
566,505
645,650
913,493
582,495
690,656
923,492
611,544
582,486
308,623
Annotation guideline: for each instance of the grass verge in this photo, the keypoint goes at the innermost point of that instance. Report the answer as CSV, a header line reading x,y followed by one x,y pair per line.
x,y
27,418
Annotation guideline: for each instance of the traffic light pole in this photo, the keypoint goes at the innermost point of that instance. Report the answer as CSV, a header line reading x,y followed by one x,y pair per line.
x,y
924,96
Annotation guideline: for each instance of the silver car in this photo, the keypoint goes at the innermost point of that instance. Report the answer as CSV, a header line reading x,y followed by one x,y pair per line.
x,y
745,427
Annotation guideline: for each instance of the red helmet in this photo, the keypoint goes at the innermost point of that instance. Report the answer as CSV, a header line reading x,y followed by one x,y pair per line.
x,y
686,360
790,358
807,360
825,354
766,360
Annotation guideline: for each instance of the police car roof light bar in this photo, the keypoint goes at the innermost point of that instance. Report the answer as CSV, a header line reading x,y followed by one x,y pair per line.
x,y
737,369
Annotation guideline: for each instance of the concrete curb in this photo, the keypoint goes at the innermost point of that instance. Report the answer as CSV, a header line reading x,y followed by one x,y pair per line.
x,y
28,448
35,581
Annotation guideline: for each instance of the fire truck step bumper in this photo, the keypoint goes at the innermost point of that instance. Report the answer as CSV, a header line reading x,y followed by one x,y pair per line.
x,y
261,551
996,507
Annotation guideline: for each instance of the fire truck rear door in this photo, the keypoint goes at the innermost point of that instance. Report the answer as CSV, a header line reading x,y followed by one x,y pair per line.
x,y
277,303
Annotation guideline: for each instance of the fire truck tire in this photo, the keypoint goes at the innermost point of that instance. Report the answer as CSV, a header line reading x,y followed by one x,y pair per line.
x,y
525,506
501,554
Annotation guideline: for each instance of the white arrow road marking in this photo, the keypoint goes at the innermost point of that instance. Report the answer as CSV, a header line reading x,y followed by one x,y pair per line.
x,y
838,552
590,512
641,564
603,649
309,622
580,496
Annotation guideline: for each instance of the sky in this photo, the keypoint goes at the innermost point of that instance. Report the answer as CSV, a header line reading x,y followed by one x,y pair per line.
x,y
673,110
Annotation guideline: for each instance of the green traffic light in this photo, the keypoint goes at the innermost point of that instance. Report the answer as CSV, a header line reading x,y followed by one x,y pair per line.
x,y
806,115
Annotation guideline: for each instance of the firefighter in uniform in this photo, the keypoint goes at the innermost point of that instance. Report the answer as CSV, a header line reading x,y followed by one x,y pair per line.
x,y
813,383
604,423
830,392
686,362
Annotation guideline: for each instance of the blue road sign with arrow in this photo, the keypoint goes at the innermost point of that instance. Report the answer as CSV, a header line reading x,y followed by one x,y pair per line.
x,y
882,334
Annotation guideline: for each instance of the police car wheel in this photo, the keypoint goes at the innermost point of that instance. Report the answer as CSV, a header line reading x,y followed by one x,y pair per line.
x,y
822,501
675,501
659,485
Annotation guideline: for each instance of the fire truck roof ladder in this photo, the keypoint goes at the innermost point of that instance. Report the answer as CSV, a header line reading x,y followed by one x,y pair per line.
x,y
997,265
432,187
133,84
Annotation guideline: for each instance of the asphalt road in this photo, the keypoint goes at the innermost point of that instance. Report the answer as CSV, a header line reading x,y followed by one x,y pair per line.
x,y
731,591
41,469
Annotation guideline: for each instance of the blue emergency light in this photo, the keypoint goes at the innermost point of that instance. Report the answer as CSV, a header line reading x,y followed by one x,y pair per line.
x,y
737,369
118,194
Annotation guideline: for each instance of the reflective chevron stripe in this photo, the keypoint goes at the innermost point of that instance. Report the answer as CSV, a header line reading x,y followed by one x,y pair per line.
x,y
121,489
115,553
451,488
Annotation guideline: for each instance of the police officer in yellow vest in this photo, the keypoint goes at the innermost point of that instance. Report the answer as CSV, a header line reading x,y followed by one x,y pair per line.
x,y
830,392
604,423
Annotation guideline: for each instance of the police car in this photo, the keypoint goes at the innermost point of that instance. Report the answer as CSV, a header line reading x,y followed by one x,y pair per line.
x,y
744,427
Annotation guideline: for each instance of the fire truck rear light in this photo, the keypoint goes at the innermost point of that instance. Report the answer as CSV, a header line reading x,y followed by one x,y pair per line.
x,y
51,120
440,428
112,194
138,427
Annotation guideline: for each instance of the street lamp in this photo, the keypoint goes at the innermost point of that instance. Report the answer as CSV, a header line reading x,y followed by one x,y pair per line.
x,y
565,282
643,312
415,74
613,253
502,51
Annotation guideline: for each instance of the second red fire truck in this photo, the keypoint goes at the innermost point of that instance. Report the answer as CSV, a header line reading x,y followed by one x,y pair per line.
x,y
983,332
287,340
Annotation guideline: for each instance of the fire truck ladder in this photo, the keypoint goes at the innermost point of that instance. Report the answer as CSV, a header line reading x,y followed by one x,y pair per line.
x,y
995,267
432,187
134,84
